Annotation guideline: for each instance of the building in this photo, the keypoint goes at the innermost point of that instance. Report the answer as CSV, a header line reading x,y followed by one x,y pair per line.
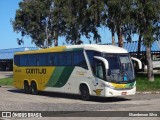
x,y
6,57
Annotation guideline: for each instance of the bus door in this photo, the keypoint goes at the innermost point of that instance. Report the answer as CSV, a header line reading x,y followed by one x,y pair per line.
x,y
100,66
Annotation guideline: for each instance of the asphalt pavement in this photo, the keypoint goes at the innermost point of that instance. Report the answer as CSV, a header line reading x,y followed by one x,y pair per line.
x,y
12,99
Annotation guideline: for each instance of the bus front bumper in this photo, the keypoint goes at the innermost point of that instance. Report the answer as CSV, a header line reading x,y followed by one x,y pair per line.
x,y
109,92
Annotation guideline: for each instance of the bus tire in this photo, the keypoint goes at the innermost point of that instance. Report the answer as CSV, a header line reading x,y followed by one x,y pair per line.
x,y
34,90
84,92
27,88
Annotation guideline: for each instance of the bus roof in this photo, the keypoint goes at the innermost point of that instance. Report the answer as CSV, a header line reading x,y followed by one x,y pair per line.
x,y
100,48
95,47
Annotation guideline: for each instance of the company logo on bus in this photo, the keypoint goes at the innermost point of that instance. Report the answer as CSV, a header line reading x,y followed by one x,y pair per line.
x,y
35,71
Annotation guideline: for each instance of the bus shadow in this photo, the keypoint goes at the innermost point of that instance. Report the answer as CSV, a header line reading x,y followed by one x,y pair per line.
x,y
75,97
78,97
109,99
16,91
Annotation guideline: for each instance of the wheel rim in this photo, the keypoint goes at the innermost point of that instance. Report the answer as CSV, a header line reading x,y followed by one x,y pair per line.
x,y
26,88
84,93
34,88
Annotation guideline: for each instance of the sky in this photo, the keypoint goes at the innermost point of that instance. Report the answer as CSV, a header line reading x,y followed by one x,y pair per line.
x,y
8,38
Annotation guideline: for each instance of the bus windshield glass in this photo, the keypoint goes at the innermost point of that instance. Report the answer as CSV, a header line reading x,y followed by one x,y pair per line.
x,y
120,68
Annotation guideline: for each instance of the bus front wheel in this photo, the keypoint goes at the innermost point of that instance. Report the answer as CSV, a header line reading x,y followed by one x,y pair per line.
x,y
34,90
84,92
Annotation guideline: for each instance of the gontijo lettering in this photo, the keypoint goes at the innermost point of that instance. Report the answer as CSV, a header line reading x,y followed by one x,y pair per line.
x,y
35,71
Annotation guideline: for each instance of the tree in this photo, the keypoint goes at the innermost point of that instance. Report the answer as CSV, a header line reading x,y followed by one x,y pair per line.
x,y
34,19
83,20
147,19
72,29
45,20
118,16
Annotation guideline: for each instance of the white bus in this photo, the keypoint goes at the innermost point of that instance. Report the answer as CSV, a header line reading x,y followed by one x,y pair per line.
x,y
155,62
88,70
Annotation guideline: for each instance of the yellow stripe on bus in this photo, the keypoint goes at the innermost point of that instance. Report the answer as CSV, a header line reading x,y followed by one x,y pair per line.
x,y
118,85
53,49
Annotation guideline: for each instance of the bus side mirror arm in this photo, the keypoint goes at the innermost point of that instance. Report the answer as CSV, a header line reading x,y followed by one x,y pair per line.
x,y
138,61
104,60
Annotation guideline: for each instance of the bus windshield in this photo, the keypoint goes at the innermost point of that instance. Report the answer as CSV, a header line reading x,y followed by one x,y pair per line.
x,y
120,68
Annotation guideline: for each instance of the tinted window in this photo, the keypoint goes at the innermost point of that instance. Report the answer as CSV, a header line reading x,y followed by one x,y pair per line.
x,y
60,59
52,59
90,55
99,70
69,60
32,60
24,60
43,59
79,59
113,61
55,59
17,60
66,59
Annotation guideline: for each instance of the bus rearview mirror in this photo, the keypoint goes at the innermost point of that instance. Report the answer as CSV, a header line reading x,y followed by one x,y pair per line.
x,y
103,60
138,61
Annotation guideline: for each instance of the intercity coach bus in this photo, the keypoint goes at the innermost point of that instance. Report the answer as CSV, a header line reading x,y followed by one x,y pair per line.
x,y
88,70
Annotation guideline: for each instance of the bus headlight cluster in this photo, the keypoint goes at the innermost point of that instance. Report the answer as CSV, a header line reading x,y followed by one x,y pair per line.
x,y
109,86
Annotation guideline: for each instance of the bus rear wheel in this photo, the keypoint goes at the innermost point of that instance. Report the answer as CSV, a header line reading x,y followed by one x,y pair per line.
x,y
84,92
27,87
34,90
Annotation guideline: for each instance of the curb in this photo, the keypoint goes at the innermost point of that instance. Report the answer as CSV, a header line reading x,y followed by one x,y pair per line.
x,y
5,86
149,92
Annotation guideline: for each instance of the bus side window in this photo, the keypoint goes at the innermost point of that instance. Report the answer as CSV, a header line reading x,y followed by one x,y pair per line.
x,y
51,60
37,60
67,59
99,69
61,59
26,61
43,59
79,59
17,60
32,60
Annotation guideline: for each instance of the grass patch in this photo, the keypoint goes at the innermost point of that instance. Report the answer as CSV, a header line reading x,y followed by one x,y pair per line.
x,y
144,85
6,81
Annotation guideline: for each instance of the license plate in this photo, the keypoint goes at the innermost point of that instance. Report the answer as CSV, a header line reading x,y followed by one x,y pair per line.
x,y
123,93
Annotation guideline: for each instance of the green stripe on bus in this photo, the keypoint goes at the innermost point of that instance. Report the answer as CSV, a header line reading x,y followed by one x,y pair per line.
x,y
55,76
130,84
60,76
64,77
77,49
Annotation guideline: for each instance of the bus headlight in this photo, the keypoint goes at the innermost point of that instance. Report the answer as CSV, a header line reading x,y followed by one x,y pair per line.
x,y
109,86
